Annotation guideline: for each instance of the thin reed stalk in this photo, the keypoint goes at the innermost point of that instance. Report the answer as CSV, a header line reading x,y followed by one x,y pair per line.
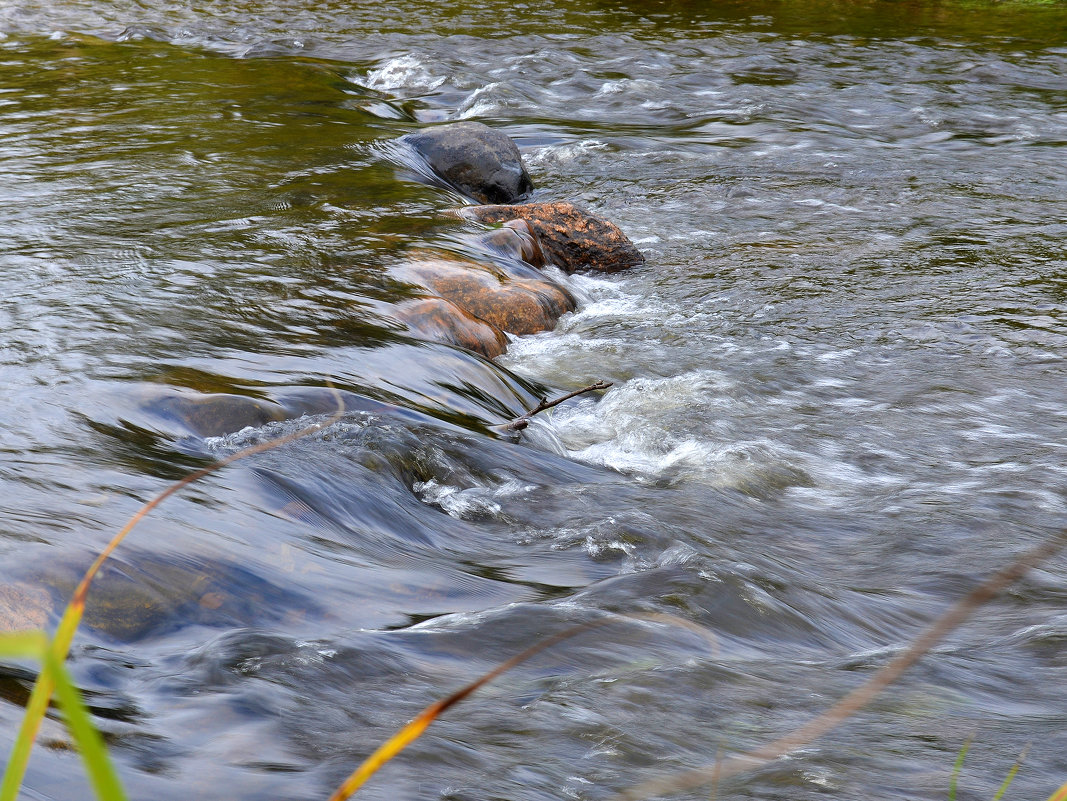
x,y
60,643
951,619
954,617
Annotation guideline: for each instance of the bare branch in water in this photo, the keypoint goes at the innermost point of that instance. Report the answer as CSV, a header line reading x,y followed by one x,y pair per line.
x,y
523,420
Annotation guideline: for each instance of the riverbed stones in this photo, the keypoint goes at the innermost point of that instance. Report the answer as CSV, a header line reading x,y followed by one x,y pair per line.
x,y
440,320
482,163
499,289
514,305
23,606
569,236
215,414
150,593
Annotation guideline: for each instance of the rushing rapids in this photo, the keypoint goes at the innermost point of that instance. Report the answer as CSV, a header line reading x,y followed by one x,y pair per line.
x,y
837,395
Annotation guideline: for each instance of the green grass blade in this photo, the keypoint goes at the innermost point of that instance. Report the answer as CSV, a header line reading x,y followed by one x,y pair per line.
x,y
20,751
102,776
36,645
60,644
1011,775
957,768
22,645
1007,782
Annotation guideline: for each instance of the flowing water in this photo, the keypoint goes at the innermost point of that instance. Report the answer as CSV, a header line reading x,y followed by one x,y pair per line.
x,y
838,401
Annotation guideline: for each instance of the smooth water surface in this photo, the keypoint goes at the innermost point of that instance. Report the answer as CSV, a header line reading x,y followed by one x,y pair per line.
x,y
838,402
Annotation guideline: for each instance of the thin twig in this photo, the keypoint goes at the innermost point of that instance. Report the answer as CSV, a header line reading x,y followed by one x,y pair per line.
x,y
523,420
859,697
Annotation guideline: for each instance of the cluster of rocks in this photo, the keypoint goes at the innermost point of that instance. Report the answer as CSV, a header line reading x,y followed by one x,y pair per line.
x,y
474,304
471,304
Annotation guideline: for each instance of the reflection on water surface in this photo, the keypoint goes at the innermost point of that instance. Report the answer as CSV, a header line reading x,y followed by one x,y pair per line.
x,y
838,394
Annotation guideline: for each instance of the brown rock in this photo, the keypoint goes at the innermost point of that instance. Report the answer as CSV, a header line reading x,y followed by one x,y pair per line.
x,y
556,300
144,593
23,606
518,306
439,320
516,240
570,237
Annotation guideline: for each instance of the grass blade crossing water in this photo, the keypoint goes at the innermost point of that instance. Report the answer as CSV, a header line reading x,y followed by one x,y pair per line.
x,y
1011,775
413,730
957,768
950,620
60,644
36,645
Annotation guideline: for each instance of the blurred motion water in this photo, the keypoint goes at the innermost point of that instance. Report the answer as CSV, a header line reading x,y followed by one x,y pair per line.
x,y
838,394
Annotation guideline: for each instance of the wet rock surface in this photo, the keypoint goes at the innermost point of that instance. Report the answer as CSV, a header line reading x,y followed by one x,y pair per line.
x,y
215,414
471,303
23,606
502,288
570,237
515,241
440,320
142,594
514,305
482,163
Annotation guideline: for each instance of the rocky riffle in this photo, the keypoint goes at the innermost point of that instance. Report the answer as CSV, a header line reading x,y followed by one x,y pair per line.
x,y
472,304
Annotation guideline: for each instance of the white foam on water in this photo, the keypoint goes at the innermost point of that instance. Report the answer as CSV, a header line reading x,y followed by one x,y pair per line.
x,y
407,72
456,501
467,503
566,153
640,86
587,334
638,428
485,101
698,425
655,428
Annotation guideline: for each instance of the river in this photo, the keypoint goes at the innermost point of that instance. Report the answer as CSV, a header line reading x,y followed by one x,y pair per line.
x,y
838,393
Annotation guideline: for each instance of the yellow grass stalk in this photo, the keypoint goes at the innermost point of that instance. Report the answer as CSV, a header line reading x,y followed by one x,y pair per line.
x,y
59,646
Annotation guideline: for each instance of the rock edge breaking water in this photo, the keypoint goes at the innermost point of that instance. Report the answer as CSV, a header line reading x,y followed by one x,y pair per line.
x,y
481,302
480,162
571,238
469,304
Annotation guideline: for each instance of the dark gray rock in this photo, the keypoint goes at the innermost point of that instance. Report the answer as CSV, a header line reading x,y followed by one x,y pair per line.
x,y
482,163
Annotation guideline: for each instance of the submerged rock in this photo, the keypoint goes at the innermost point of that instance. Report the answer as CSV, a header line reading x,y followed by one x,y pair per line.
x,y
515,305
141,594
570,237
214,414
480,162
23,606
440,320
